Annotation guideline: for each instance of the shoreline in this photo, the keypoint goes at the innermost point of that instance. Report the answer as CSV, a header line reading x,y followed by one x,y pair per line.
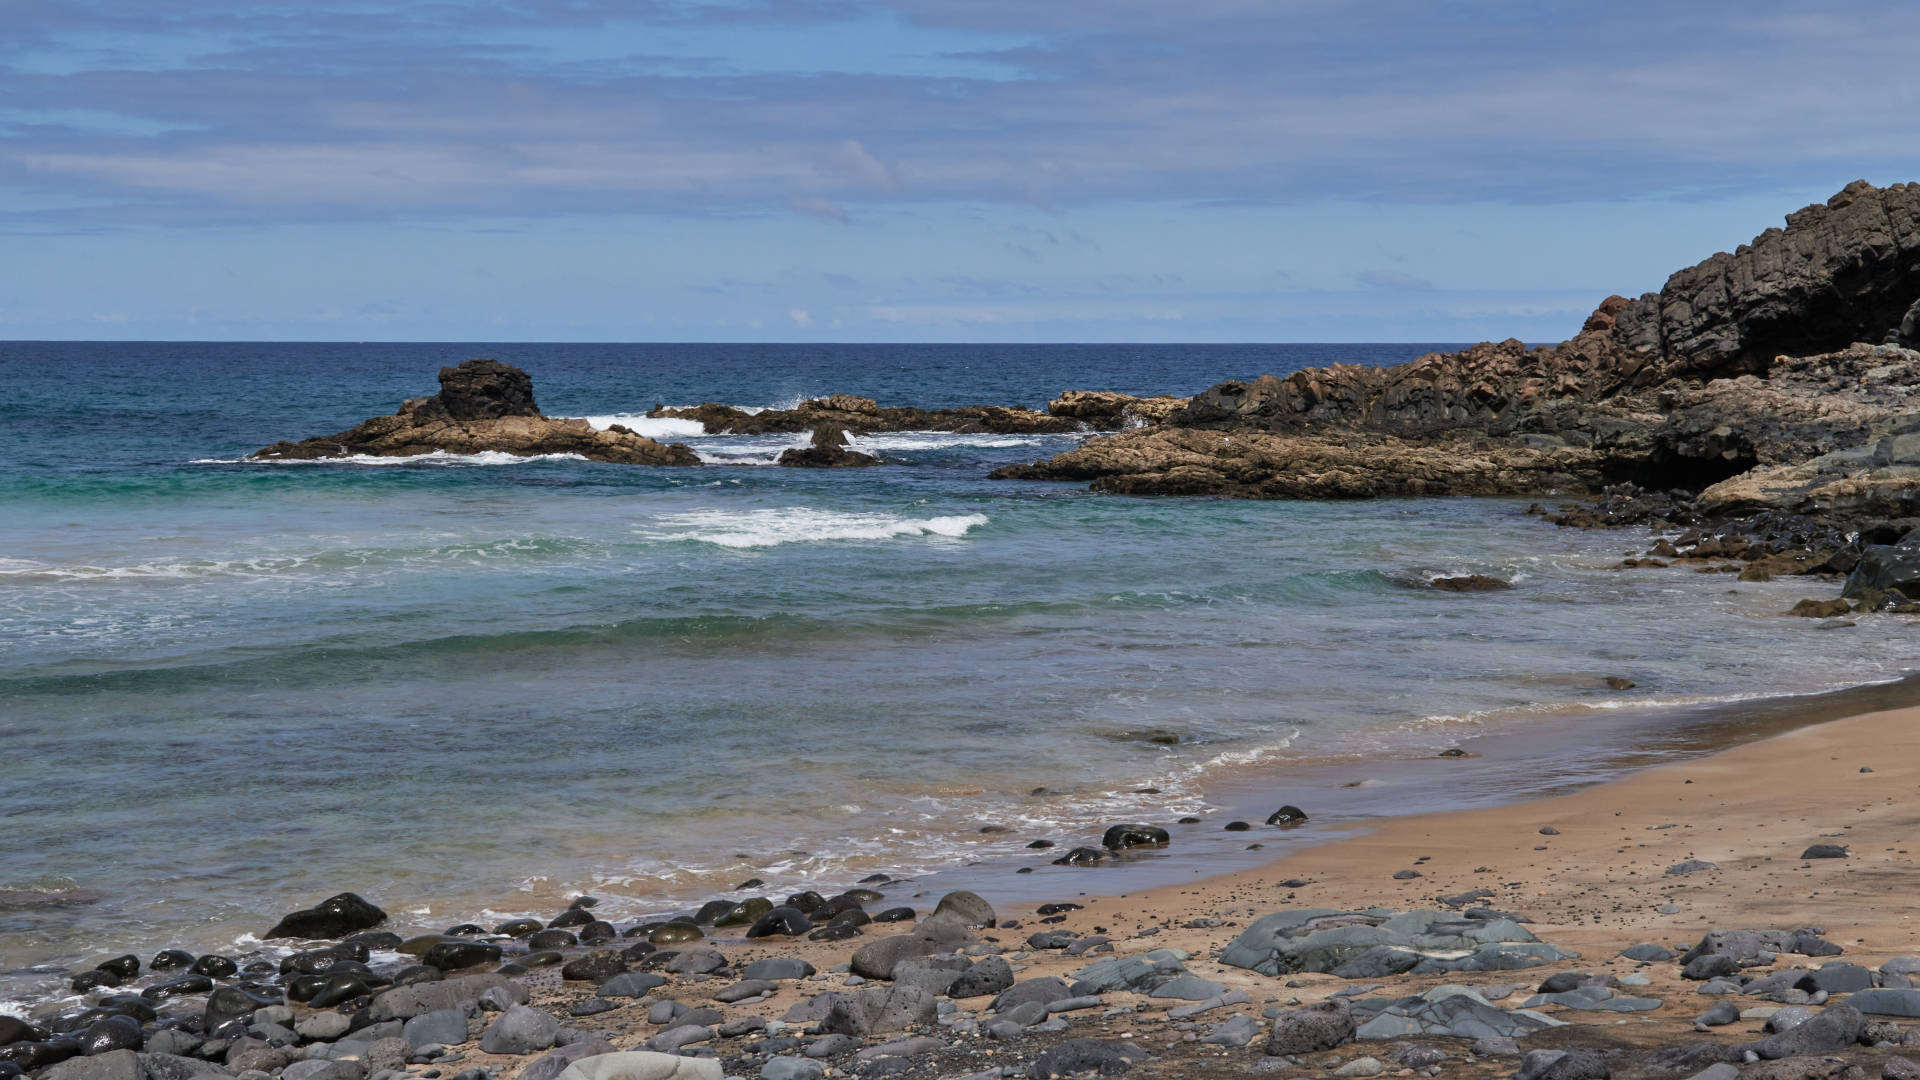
x,y
1546,757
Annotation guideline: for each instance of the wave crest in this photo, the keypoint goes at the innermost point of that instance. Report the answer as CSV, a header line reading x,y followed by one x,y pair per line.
x,y
799,524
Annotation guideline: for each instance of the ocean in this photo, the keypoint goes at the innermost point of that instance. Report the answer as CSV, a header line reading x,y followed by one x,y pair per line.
x,y
471,687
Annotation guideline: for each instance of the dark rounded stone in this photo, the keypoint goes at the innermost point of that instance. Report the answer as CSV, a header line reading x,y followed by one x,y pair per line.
x,y
552,939
835,932
675,933
745,913
1189,821
126,1005
834,906
1060,908
866,896
112,1033
303,987
13,1030
1287,817
638,949
38,1055
518,927
336,916
340,989
597,931
185,984
233,1003
8,1070
750,883
711,910
585,902
93,980
1040,845
571,917
543,958
127,967
466,929
375,939
1122,837
315,961
850,917
414,974
787,921
215,967
1238,826
455,955
1081,856
169,959
806,902
363,972
897,914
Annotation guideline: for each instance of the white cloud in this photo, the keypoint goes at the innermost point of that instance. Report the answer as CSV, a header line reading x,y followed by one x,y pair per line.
x,y
801,317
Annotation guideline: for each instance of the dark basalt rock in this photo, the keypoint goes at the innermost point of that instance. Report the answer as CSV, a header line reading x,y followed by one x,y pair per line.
x,y
865,416
829,451
336,916
338,990
518,928
112,1033
127,967
597,931
1122,837
898,914
170,959
571,917
93,980
1287,816
185,984
13,1030
1081,856
482,390
788,921
745,913
455,955
1468,583
595,967
835,932
232,1003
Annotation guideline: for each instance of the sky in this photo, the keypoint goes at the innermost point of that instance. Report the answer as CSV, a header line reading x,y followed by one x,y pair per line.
x,y
911,170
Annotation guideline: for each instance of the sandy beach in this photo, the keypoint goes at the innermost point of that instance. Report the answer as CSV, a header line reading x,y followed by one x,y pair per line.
x,y
1588,868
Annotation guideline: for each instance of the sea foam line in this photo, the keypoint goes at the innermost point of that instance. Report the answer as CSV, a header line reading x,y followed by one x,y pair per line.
x,y
799,524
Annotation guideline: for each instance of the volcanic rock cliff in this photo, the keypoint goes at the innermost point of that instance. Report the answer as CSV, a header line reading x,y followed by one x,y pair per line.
x,y
1779,378
483,405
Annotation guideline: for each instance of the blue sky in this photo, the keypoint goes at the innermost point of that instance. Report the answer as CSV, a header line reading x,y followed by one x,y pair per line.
x,y
912,170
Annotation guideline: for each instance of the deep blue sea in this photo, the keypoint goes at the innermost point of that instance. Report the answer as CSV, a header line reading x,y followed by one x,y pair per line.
x,y
469,685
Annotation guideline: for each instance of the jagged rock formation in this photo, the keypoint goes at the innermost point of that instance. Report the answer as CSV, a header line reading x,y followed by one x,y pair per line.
x,y
1104,410
483,405
1706,386
829,451
864,416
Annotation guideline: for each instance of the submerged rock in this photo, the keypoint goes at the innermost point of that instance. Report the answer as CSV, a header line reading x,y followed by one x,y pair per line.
x,y
828,451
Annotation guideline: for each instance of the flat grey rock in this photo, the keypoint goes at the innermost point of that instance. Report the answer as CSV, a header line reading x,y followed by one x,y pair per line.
x,y
519,1030
642,1065
448,1027
1886,1002
1446,1010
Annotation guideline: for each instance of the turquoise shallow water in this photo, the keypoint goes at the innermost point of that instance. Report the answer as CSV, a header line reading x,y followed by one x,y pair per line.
x,y
466,685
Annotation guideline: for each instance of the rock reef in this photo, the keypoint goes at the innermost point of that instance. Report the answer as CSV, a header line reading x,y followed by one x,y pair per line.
x,y
864,416
483,406
1777,379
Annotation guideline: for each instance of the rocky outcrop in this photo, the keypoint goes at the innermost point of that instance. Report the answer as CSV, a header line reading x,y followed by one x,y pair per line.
x,y
1258,465
864,416
483,406
1104,410
829,451
1776,379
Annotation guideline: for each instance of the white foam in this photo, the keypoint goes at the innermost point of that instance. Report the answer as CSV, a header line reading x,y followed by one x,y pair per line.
x,y
945,440
185,569
751,449
436,457
799,524
658,428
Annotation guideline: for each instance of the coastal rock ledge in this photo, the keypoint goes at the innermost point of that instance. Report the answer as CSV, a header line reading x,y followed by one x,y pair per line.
x,y
483,406
1780,378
